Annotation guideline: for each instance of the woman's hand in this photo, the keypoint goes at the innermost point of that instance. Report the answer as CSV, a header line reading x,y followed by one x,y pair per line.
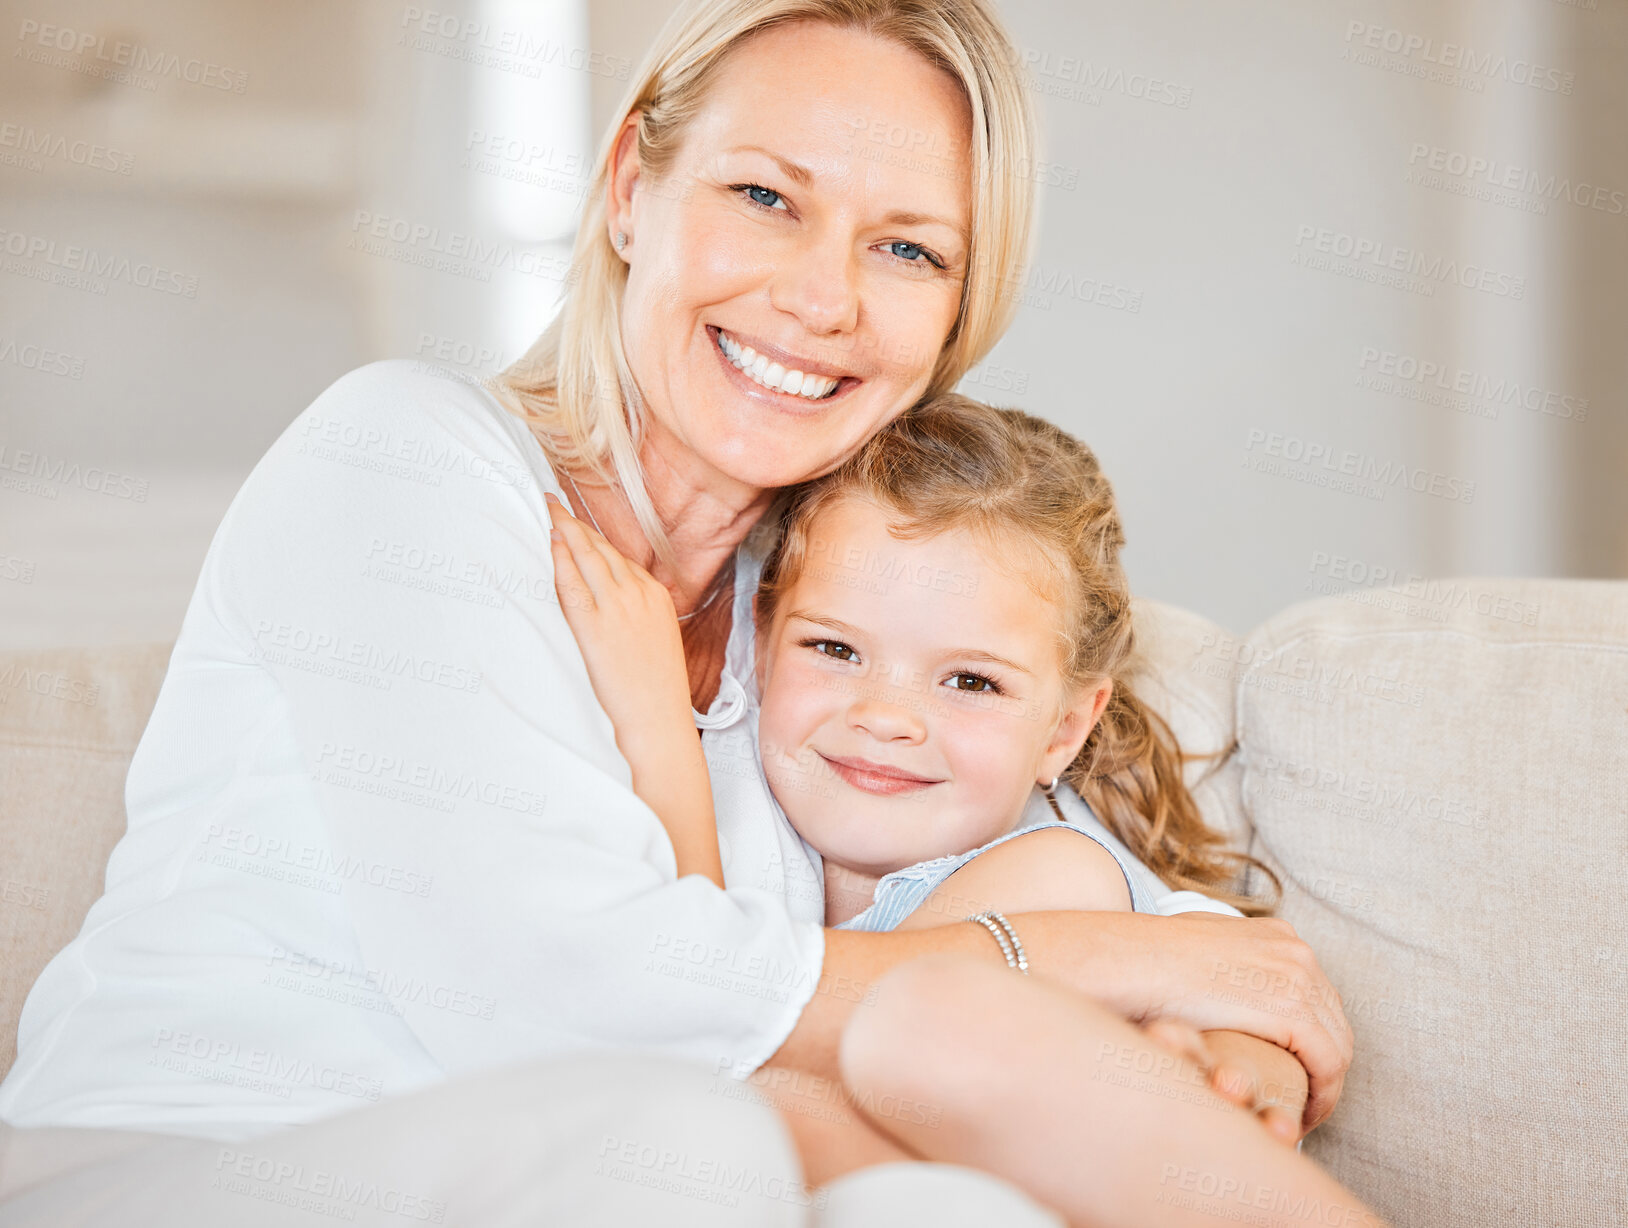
x,y
1211,972
1208,971
625,625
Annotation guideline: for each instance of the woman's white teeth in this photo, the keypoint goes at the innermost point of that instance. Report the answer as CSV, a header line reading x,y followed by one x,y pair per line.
x,y
772,374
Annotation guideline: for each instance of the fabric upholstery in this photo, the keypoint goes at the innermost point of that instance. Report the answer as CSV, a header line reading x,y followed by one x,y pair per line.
x,y
1177,673
69,722
1441,776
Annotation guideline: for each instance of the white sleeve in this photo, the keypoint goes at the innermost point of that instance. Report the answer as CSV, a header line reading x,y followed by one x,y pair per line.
x,y
1174,903
399,522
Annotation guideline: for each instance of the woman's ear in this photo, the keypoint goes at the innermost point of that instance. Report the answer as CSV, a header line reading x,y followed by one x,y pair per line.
x,y
622,179
1079,719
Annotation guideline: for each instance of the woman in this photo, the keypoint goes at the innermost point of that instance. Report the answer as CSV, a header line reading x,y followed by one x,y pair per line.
x,y
380,833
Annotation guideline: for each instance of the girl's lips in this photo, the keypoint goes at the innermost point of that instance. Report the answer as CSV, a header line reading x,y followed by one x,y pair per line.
x,y
875,777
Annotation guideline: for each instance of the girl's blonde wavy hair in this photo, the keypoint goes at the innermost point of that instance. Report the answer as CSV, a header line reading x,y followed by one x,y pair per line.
x,y
574,387
1020,482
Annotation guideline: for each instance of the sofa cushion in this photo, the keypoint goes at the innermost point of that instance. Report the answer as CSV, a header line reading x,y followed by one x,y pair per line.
x,y
1441,777
1177,675
69,722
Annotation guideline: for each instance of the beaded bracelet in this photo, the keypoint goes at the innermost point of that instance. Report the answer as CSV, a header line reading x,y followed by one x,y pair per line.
x,y
1011,945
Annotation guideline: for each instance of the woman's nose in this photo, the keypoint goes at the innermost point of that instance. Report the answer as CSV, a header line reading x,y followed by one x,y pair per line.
x,y
819,285
887,721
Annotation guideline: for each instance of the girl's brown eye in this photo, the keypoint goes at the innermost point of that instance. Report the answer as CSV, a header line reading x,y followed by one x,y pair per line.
x,y
832,648
977,684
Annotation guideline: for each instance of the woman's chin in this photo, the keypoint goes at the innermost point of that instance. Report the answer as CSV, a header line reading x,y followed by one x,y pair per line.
x,y
763,462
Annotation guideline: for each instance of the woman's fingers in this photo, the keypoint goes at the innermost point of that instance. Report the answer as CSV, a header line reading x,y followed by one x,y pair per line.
x,y
1253,976
1321,1036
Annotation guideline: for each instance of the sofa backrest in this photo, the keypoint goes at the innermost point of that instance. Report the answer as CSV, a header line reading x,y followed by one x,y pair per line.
x,y
69,722
1440,774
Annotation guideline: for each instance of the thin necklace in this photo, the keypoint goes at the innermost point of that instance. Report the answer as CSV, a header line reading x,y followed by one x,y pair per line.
x,y
683,618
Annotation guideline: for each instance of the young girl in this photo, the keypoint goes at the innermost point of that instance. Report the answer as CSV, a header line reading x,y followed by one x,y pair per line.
x,y
943,633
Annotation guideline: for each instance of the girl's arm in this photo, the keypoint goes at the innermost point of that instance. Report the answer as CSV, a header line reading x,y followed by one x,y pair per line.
x,y
625,625
1023,1079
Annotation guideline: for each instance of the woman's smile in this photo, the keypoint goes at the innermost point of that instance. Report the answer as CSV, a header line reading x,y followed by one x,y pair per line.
x,y
774,369
762,369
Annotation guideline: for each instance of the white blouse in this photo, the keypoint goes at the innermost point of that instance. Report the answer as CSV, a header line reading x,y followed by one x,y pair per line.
x,y
379,830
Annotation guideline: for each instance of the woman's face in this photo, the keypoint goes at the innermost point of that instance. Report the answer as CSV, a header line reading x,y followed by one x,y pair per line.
x,y
815,220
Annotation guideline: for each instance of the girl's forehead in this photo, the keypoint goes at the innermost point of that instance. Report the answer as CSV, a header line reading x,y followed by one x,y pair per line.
x,y
853,525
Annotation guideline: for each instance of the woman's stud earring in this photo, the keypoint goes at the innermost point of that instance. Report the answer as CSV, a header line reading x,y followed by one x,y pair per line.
x,y
620,240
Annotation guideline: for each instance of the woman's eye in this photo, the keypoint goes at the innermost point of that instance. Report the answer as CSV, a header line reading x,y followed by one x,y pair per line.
x,y
833,648
972,682
913,252
766,197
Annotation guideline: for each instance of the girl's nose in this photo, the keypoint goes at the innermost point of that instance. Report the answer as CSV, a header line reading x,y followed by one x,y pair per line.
x,y
887,721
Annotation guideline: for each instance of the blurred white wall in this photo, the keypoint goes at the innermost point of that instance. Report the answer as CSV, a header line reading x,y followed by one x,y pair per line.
x,y
279,193
316,184
1281,200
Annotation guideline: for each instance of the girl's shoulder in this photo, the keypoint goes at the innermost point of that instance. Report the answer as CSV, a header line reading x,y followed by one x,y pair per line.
x,y
1036,868
1043,864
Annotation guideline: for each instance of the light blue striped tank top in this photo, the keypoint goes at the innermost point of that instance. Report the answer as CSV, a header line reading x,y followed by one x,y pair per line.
x,y
902,892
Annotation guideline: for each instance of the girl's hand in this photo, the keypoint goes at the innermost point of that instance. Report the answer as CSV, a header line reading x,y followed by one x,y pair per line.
x,y
628,633
1258,1076
1251,1073
627,629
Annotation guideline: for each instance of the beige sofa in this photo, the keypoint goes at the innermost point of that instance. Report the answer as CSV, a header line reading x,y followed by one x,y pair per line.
x,y
1439,773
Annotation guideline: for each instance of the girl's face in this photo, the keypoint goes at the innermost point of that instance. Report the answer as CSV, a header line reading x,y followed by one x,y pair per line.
x,y
912,692
799,221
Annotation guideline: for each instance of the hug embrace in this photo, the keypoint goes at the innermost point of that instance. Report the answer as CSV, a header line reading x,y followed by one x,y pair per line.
x,y
768,830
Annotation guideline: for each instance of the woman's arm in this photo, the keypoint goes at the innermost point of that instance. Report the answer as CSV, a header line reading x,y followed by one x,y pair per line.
x,y
412,709
624,624
1054,869
1249,975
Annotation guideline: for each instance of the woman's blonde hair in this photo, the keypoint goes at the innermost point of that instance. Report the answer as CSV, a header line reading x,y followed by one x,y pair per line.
x,y
1025,485
574,386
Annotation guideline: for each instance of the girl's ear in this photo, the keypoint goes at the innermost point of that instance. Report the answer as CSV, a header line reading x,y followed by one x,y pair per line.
x,y
1079,719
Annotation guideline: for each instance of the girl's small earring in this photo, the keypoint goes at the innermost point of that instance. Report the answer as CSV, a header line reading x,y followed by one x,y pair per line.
x,y
620,240
1051,799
